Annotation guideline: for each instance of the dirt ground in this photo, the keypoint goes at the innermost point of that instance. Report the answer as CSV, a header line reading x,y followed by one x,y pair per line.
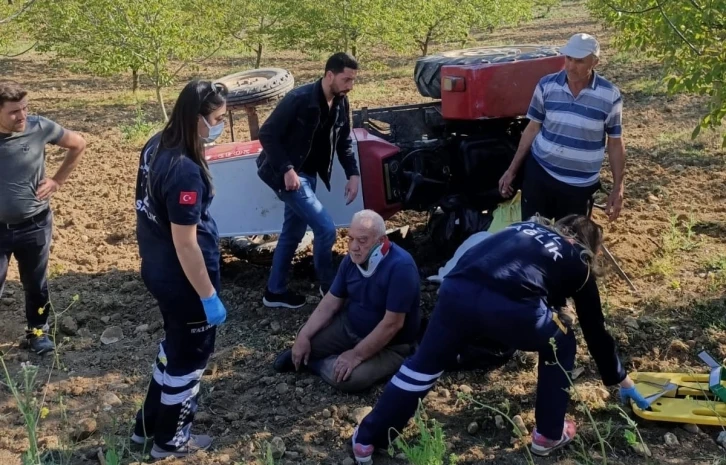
x,y
670,240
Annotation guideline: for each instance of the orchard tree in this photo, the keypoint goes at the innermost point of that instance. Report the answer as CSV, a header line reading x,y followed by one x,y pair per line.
x,y
336,25
689,36
423,22
11,15
157,38
258,25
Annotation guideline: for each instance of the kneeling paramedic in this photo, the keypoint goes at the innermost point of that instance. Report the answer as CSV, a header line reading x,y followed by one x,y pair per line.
x,y
179,248
505,289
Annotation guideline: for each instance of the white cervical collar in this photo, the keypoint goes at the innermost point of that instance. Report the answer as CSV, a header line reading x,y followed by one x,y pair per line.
x,y
375,257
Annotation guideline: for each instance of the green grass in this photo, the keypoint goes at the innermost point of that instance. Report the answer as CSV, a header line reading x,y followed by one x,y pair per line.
x,y
140,129
678,237
677,147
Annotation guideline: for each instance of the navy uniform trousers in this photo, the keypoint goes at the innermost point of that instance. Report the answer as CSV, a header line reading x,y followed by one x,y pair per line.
x,y
463,312
171,400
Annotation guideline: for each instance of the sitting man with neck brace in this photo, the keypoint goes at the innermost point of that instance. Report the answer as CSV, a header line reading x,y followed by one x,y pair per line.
x,y
367,324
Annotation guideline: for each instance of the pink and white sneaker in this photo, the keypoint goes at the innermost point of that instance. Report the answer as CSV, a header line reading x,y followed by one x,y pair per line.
x,y
542,446
363,453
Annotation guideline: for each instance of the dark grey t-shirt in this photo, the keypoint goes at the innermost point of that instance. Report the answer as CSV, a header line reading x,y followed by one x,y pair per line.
x,y
22,167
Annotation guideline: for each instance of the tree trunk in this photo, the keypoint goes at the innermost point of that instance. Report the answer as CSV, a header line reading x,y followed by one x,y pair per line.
x,y
160,99
354,50
135,80
258,52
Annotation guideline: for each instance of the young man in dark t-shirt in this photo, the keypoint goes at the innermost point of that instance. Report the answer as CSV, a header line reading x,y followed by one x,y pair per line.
x,y
26,219
367,324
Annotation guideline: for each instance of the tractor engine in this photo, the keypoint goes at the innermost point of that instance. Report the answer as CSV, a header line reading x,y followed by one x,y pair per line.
x,y
446,157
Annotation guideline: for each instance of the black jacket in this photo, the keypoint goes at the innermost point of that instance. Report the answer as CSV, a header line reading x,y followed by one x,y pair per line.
x,y
287,136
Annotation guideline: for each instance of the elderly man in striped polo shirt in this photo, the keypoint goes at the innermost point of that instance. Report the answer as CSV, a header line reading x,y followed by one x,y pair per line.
x,y
570,115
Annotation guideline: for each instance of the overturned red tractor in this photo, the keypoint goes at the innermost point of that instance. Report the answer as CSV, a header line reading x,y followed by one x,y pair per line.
x,y
444,157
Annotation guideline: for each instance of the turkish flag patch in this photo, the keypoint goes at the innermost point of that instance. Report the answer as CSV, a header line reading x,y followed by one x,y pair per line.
x,y
187,198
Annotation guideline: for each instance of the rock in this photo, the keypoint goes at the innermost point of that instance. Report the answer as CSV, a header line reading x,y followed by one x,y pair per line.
x,y
105,319
691,344
111,335
466,389
343,412
670,440
110,400
401,456
520,425
77,390
632,323
275,327
693,429
721,440
473,427
142,328
329,423
359,414
84,429
499,421
202,417
348,461
232,416
641,449
292,455
224,458
602,393
445,393
49,442
282,388
652,198
155,326
278,447
84,332
8,301
69,326
577,372
326,413
128,286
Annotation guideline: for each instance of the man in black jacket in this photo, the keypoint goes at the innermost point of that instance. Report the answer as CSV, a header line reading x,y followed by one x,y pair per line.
x,y
298,141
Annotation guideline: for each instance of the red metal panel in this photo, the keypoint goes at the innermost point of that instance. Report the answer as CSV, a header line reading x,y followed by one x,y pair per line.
x,y
372,152
232,150
495,90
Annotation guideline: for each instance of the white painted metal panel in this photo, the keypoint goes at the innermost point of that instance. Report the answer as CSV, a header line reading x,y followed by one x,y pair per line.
x,y
244,205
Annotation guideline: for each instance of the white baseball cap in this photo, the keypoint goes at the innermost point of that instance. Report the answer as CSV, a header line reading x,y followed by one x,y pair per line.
x,y
581,45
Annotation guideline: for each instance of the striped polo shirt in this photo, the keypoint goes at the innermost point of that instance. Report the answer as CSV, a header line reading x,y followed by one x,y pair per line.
x,y
571,143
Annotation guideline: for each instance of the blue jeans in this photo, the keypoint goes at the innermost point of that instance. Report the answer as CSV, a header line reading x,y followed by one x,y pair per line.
x,y
303,209
30,244
465,311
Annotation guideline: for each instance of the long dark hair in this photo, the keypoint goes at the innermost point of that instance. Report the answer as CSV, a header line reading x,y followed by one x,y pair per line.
x,y
196,98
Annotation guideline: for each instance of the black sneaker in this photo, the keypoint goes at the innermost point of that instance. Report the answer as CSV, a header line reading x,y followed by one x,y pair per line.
x,y
283,363
287,299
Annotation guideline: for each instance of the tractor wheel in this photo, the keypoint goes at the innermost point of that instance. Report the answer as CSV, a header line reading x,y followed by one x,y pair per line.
x,y
427,72
257,86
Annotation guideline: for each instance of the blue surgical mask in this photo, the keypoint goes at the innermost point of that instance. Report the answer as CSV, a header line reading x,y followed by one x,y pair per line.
x,y
214,131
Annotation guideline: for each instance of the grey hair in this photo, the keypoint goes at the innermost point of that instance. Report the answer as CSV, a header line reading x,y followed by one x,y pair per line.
x,y
370,220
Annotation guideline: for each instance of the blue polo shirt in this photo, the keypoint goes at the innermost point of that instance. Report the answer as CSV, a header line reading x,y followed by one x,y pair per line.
x,y
395,286
171,189
570,147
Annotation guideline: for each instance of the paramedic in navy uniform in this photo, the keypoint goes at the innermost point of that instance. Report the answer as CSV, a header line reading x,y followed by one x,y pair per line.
x,y
179,248
504,289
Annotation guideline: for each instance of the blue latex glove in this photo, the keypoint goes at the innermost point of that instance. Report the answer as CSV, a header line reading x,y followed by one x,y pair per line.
x,y
214,309
632,393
